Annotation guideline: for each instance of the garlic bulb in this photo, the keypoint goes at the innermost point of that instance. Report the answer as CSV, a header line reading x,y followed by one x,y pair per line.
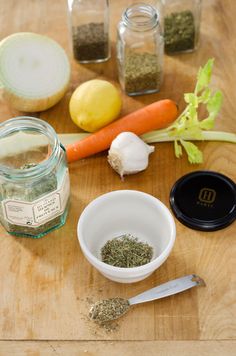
x,y
128,154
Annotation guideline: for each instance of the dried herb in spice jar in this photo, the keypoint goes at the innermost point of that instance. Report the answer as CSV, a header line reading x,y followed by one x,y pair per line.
x,y
90,42
179,32
139,50
126,251
17,192
141,73
34,178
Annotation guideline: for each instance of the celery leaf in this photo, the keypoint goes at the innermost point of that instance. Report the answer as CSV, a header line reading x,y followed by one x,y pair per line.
x,y
194,154
178,149
204,76
214,103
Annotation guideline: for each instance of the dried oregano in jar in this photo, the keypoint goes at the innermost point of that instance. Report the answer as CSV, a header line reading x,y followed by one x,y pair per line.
x,y
34,179
142,72
140,47
181,25
90,42
89,20
179,32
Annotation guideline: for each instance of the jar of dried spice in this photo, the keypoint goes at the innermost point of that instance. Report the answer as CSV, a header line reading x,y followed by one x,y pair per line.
x,y
140,50
181,25
89,20
34,178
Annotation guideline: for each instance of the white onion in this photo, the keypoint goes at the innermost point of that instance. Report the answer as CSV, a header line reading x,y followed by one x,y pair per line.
x,y
34,71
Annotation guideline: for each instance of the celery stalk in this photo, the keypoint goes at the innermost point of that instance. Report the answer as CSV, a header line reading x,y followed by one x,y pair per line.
x,y
188,126
157,136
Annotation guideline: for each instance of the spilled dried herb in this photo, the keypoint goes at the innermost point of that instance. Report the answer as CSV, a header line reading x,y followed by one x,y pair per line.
x,y
90,42
107,310
142,73
179,31
126,251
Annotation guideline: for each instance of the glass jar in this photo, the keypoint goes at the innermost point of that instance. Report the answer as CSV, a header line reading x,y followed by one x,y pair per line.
x,y
89,20
34,178
140,50
181,25
157,4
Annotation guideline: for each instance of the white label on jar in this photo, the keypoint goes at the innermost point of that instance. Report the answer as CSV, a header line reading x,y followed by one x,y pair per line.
x,y
39,211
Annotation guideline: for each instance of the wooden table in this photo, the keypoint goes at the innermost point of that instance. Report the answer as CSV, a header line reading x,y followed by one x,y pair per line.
x,y
46,284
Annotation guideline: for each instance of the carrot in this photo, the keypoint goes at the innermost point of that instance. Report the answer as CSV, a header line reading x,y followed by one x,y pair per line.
x,y
155,116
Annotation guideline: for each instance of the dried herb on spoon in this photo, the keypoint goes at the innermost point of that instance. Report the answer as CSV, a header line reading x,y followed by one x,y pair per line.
x,y
108,309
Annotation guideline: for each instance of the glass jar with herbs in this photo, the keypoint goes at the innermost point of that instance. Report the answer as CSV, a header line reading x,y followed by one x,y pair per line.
x,y
181,25
89,20
34,178
140,50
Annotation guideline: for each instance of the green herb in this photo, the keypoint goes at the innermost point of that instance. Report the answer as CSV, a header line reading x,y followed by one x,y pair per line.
x,y
179,31
126,251
108,309
90,42
141,73
188,126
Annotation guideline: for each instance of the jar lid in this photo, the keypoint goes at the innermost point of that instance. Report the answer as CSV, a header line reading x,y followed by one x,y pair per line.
x,y
204,200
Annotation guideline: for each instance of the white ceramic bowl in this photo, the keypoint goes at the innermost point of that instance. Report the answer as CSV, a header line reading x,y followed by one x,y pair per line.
x,y
121,212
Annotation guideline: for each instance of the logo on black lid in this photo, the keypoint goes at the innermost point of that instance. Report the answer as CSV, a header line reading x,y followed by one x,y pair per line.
x,y
207,195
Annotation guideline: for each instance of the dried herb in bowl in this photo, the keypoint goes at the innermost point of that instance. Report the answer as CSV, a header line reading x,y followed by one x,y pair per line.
x,y
126,251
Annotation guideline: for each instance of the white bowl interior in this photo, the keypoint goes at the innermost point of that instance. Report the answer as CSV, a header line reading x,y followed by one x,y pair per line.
x,y
126,212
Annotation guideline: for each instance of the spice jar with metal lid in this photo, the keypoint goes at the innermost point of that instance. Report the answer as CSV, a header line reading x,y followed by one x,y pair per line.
x,y
140,50
89,21
34,178
181,25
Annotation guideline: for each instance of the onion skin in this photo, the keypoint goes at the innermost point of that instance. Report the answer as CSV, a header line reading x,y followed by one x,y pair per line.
x,y
33,105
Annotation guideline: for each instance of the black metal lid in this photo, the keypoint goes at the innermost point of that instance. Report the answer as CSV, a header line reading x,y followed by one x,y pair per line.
x,y
204,200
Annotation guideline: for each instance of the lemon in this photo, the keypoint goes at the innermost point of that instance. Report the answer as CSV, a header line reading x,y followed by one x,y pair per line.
x,y
94,104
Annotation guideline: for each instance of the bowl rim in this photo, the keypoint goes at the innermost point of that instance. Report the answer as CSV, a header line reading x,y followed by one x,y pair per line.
x,y
106,268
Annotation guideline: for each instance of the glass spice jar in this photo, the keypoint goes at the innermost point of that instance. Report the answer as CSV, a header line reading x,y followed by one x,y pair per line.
x,y
89,20
157,4
34,178
181,25
140,50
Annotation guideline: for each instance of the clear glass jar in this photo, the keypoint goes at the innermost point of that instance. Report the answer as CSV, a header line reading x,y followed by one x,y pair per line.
x,y
140,50
181,25
34,178
89,20
157,4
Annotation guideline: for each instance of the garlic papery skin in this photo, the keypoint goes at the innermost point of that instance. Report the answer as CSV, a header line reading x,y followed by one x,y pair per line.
x,y
129,154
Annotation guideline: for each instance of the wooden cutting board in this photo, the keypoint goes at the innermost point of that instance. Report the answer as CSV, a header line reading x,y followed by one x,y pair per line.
x,y
47,285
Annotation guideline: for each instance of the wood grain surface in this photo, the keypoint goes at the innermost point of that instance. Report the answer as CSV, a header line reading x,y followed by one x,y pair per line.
x,y
117,348
47,285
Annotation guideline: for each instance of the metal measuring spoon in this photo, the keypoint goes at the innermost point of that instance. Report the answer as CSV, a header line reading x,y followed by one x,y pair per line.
x,y
111,309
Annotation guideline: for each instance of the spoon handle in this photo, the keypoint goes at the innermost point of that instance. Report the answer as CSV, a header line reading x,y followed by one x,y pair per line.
x,y
164,290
